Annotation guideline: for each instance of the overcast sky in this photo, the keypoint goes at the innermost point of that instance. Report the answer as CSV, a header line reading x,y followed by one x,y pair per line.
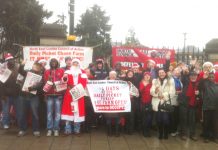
x,y
157,22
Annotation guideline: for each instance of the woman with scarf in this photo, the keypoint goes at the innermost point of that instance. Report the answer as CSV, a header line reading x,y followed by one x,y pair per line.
x,y
146,107
187,103
110,117
130,115
174,116
163,88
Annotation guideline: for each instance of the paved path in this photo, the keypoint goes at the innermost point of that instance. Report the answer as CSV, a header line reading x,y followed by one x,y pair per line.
x,y
97,140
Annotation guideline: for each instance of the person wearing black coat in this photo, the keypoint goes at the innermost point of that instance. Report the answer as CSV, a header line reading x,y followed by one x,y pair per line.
x,y
27,100
10,91
209,93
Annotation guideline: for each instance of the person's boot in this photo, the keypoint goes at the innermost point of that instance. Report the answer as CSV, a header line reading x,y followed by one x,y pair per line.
x,y
109,130
160,129
165,132
117,132
122,129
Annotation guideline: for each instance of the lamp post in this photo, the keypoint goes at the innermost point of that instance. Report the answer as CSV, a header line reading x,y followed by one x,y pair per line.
x,y
183,55
19,50
71,24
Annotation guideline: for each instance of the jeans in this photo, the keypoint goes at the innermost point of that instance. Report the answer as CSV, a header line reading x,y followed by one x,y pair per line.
x,y
147,116
6,106
68,127
192,120
163,124
24,103
53,112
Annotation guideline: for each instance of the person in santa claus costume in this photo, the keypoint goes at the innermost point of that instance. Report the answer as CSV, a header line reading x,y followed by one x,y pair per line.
x,y
73,110
216,71
207,68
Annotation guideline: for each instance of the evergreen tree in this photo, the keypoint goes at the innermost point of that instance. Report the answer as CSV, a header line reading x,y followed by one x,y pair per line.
x,y
94,28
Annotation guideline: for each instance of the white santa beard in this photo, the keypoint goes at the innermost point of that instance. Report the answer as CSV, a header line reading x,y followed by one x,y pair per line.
x,y
75,72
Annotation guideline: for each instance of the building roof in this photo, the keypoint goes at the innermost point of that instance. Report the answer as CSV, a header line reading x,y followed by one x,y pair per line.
x,y
52,30
212,46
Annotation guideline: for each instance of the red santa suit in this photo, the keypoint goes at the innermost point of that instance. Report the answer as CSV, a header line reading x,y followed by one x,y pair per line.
x,y
216,72
74,110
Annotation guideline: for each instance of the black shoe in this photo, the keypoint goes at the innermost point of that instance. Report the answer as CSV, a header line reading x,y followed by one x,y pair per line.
x,y
194,138
183,137
215,140
117,132
109,130
206,140
165,137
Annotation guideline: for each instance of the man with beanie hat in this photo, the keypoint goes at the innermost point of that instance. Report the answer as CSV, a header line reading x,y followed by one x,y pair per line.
x,y
100,72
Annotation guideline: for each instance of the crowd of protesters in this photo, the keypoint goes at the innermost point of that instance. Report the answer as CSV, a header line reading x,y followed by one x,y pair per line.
x,y
191,89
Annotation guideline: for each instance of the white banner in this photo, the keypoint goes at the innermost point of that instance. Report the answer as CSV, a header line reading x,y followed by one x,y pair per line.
x,y
4,74
109,96
31,80
77,92
133,90
33,53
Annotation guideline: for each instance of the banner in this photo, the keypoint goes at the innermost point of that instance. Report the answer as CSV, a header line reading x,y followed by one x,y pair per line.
x,y
127,56
60,86
33,53
31,80
77,92
133,90
109,96
4,74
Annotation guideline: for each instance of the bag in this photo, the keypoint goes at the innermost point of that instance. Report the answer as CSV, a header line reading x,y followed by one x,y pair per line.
x,y
166,106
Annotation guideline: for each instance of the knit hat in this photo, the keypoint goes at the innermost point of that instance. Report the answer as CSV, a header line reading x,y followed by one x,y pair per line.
x,y
8,56
193,73
99,61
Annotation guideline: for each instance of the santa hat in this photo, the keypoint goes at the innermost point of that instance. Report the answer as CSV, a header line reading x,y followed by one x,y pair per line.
x,y
215,64
42,61
8,56
147,73
207,63
152,61
76,60
135,65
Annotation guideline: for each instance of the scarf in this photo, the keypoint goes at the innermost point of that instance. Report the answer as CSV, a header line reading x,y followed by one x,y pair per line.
x,y
190,93
178,85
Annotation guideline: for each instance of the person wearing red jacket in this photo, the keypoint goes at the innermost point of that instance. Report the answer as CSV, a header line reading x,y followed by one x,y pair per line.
x,y
216,72
53,98
146,108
